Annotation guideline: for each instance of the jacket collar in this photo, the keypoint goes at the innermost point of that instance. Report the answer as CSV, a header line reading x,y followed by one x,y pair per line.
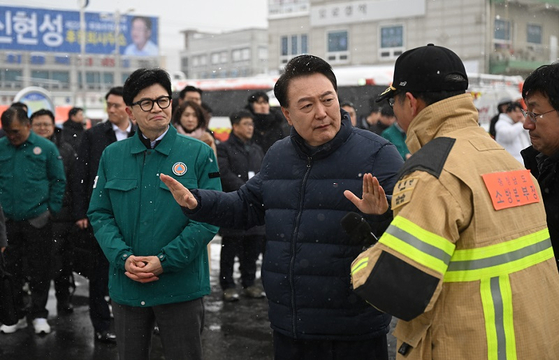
x,y
73,125
323,150
440,118
164,147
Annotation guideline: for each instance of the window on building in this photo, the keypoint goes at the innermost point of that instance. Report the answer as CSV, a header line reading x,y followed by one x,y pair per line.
x,y
337,41
304,46
223,57
11,78
337,45
284,46
534,35
502,30
108,79
292,46
236,55
61,79
215,58
391,41
245,54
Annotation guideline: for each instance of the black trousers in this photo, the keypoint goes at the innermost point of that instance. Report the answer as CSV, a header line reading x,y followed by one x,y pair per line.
x,y
286,348
98,275
29,256
63,254
247,249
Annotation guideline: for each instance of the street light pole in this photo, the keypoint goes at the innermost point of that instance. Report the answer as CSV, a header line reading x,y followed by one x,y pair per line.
x,y
118,69
82,4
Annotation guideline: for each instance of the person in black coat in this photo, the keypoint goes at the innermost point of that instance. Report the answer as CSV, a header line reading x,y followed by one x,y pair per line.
x,y
541,94
299,195
94,141
269,125
73,128
239,159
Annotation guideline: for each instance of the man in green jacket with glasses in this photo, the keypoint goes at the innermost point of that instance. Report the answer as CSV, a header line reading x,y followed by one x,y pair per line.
x,y
158,260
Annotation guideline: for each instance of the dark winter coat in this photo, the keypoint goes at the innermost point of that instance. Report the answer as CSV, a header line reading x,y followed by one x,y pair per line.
x,y
236,159
546,170
68,158
298,194
268,128
72,133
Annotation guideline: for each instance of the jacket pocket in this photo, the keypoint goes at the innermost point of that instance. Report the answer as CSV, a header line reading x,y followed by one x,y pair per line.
x,y
121,184
122,195
414,339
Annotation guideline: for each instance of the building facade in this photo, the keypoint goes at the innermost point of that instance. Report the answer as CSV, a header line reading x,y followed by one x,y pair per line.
x,y
240,53
491,36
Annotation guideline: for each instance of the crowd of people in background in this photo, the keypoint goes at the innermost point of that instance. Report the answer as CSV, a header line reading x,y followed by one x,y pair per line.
x,y
271,168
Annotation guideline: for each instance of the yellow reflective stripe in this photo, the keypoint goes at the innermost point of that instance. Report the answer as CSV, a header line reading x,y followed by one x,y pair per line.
x,y
508,324
498,249
500,259
496,297
425,247
360,265
489,315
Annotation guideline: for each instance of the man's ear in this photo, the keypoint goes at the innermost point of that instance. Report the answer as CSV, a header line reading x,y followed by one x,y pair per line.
x,y
287,116
415,104
130,114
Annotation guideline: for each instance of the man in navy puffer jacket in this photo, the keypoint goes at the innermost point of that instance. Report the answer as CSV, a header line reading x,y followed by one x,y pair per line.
x,y
298,194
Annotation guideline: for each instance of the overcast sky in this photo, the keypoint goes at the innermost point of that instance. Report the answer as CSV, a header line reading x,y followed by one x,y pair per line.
x,y
174,16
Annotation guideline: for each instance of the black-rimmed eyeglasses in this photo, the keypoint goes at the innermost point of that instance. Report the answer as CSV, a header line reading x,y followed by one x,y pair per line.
x,y
147,104
391,101
532,116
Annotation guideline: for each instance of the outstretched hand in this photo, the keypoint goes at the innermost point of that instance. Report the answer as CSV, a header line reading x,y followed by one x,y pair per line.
x,y
182,195
374,200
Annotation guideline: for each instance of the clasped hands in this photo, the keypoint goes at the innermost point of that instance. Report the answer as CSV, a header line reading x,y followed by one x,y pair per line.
x,y
143,269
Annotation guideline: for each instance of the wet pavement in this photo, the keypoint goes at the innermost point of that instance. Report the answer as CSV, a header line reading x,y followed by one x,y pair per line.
x,y
233,331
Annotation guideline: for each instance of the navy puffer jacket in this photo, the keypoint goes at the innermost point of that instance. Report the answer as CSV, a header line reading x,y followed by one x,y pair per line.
x,y
299,195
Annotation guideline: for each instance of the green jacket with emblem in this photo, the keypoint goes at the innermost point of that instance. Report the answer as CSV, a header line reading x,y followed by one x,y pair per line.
x,y
467,281
133,213
32,178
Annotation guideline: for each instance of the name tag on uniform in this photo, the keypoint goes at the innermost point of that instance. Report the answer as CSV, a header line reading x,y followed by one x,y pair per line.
x,y
511,188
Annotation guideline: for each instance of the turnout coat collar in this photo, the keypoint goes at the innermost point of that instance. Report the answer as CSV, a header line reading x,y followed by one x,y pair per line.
x,y
439,119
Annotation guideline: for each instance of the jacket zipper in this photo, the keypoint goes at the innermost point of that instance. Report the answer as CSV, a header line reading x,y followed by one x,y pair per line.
x,y
293,246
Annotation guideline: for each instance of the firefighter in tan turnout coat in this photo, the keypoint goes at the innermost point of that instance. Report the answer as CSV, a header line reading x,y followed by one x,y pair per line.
x,y
466,264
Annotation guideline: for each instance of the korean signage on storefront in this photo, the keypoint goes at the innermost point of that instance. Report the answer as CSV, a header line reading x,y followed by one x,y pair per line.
x,y
31,29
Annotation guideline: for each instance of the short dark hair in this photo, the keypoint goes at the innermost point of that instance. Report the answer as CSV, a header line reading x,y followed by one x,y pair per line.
x,y
117,91
347,103
200,114
73,111
145,19
189,88
41,113
20,104
513,106
143,78
237,116
257,95
387,111
12,114
302,65
545,80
